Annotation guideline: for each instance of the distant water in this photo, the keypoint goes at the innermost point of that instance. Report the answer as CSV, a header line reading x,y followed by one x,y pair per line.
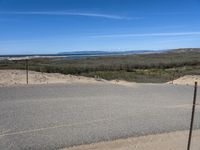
x,y
73,55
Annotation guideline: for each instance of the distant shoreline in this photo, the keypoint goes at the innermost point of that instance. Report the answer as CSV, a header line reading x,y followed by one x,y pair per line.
x,y
85,54
75,55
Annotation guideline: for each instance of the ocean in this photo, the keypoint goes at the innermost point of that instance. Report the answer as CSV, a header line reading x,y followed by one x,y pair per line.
x,y
74,55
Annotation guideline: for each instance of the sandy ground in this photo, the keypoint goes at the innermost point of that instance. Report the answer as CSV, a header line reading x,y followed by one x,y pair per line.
x,y
18,77
187,80
168,141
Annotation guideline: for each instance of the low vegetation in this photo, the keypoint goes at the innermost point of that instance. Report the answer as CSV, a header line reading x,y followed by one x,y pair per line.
x,y
155,68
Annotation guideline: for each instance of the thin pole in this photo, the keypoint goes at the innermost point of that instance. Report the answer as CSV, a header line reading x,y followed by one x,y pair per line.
x,y
192,117
173,77
27,71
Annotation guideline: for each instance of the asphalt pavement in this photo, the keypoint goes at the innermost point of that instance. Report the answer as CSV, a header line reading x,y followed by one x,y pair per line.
x,y
48,117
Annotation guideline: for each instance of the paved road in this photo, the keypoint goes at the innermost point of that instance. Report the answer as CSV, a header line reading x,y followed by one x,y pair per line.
x,y
57,116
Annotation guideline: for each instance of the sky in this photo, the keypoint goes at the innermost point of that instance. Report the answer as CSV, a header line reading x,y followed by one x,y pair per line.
x,y
52,26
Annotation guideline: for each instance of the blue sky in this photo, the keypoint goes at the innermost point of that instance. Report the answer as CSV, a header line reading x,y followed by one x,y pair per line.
x,y
51,26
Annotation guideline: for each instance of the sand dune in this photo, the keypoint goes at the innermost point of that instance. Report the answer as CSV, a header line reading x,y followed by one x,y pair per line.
x,y
18,77
187,80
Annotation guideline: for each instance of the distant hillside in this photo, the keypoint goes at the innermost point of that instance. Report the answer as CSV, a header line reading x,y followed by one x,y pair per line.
x,y
184,50
109,52
105,53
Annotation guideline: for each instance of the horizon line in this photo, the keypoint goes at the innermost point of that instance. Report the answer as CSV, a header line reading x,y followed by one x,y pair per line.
x,y
57,53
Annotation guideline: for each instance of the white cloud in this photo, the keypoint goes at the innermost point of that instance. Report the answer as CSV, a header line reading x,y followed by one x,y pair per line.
x,y
63,13
148,34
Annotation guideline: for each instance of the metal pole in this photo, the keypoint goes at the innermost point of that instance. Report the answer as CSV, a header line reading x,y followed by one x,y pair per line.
x,y
173,77
192,117
27,71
